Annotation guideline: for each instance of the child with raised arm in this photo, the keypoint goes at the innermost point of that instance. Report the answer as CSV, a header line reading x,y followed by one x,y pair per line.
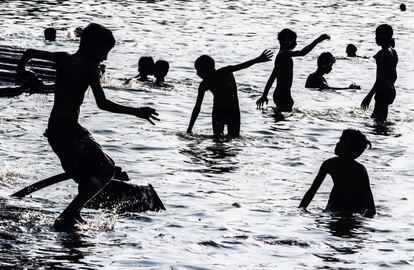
x,y
81,157
316,79
222,84
283,70
351,190
383,88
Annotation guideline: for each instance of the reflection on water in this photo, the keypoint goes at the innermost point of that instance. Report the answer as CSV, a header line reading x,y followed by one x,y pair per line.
x,y
217,157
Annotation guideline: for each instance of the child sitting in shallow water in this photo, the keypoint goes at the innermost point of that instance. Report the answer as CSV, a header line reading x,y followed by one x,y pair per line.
x,y
351,190
316,79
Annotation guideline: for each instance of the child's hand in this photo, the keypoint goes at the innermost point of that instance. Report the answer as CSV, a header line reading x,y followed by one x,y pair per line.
x,y
324,37
265,56
30,82
147,113
354,86
261,101
365,103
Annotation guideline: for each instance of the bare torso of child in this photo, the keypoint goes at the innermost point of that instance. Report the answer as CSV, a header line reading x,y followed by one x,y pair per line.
x,y
72,81
284,66
350,185
386,60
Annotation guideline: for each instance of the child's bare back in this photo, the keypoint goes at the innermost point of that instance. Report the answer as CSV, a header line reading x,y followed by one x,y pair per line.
x,y
351,192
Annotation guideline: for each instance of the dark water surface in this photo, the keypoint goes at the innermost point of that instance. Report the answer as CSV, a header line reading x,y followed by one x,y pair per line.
x,y
231,204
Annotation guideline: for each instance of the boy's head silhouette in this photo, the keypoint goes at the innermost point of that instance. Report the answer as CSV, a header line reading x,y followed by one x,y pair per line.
x,y
50,34
96,42
351,144
78,31
383,34
146,66
351,50
287,39
403,7
325,62
161,68
204,65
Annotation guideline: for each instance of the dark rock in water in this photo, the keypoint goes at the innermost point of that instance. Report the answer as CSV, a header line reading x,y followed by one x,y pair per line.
x,y
124,197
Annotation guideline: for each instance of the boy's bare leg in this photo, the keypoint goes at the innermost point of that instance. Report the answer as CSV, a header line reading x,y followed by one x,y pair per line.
x,y
87,190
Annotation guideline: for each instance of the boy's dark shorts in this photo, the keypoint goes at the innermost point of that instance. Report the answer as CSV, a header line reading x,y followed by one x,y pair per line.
x,y
81,157
283,100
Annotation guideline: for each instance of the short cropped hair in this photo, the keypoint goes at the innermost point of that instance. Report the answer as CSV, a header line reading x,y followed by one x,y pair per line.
x,y
358,141
326,58
146,64
385,30
351,49
286,33
97,33
50,34
204,61
162,65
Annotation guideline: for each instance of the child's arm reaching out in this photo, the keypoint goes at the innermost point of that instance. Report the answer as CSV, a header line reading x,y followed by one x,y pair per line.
x,y
264,57
315,186
310,47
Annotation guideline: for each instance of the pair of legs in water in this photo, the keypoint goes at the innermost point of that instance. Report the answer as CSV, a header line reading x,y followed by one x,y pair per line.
x,y
230,117
82,158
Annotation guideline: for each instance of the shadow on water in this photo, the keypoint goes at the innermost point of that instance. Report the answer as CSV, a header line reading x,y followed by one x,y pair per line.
x,y
217,156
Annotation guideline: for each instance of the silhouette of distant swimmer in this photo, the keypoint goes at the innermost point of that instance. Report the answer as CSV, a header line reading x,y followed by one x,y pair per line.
x,y
403,7
283,70
50,34
145,68
161,68
351,50
351,190
222,84
316,79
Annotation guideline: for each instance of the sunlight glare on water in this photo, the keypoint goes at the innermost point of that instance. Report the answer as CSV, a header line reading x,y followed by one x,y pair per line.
x,y
230,204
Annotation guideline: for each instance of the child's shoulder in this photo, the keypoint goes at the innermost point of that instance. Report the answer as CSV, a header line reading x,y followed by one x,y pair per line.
x,y
331,161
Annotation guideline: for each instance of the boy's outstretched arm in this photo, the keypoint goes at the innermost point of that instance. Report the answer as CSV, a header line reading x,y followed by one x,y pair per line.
x,y
197,107
38,54
263,99
310,47
351,86
315,186
264,57
29,79
105,104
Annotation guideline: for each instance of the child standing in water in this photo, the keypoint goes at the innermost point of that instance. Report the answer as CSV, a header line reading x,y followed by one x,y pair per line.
x,y
383,88
283,70
81,157
351,190
222,84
